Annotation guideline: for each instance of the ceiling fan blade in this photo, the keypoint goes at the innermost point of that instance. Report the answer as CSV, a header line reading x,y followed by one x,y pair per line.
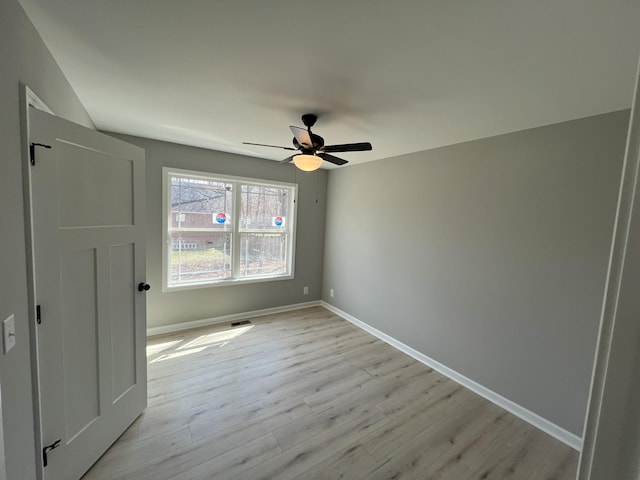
x,y
265,145
288,159
302,136
347,147
332,159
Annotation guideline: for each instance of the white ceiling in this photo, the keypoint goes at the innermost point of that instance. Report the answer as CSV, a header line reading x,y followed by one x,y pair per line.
x,y
407,75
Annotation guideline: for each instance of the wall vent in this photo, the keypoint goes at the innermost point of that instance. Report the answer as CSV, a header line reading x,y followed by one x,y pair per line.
x,y
240,323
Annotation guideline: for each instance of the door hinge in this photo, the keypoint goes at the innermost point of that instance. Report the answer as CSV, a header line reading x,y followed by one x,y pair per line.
x,y
38,315
47,449
32,151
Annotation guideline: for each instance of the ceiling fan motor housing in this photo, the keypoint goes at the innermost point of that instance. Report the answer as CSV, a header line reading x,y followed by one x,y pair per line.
x,y
317,140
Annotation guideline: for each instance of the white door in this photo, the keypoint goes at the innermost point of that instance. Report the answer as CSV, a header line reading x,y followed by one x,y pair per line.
x,y
87,223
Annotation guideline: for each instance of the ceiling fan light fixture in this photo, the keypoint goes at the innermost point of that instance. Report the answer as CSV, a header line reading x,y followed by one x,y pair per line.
x,y
306,162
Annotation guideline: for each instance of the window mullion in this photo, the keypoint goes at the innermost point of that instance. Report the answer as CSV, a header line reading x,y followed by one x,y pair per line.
x,y
235,232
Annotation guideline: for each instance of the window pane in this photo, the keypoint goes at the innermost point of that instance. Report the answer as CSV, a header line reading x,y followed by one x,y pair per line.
x,y
201,204
263,254
264,208
199,257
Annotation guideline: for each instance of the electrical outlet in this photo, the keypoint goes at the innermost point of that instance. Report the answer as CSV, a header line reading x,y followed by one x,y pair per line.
x,y
306,290
9,333
331,292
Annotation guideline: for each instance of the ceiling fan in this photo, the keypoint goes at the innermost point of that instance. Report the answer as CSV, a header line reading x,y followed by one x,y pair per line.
x,y
312,148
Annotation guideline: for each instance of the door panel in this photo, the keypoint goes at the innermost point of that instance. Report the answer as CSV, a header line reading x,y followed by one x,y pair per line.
x,y
94,188
123,313
87,228
79,339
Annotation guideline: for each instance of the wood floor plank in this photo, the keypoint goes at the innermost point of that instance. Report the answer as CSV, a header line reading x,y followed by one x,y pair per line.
x,y
126,455
370,389
419,455
188,461
297,431
296,461
561,464
504,463
235,461
471,449
270,415
402,429
307,395
347,464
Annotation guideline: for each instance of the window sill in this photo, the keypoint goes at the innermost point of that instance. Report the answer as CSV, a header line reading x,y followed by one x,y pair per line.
x,y
223,283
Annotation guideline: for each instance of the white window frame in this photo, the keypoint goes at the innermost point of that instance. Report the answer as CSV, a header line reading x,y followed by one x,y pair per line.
x,y
235,230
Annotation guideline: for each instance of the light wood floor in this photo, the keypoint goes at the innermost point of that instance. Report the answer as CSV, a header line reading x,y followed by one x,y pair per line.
x,y
307,395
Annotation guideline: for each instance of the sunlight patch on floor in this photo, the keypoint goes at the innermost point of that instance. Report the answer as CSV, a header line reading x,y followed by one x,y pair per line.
x,y
217,337
158,347
178,354
210,340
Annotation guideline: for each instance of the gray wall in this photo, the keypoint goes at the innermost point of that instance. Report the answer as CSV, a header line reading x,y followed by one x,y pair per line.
x,y
23,58
488,256
188,305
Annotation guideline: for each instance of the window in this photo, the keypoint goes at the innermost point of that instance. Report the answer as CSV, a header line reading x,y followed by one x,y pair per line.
x,y
221,230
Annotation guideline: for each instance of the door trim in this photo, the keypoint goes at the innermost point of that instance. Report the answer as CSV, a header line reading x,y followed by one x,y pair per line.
x,y
611,416
30,99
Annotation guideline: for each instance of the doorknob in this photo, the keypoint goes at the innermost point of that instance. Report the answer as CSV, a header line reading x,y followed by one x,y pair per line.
x,y
143,287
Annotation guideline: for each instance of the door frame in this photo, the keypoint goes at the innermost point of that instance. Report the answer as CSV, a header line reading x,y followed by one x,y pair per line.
x,y
611,433
30,99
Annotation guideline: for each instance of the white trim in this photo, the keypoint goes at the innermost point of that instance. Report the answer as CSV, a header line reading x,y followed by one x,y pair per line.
x,y
226,283
34,101
612,406
29,99
178,327
206,175
534,419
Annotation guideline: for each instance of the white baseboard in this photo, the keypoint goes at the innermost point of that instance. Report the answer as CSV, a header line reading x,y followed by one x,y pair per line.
x,y
178,327
534,419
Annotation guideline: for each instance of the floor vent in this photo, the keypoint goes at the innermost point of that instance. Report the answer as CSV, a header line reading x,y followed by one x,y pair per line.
x,y
241,322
